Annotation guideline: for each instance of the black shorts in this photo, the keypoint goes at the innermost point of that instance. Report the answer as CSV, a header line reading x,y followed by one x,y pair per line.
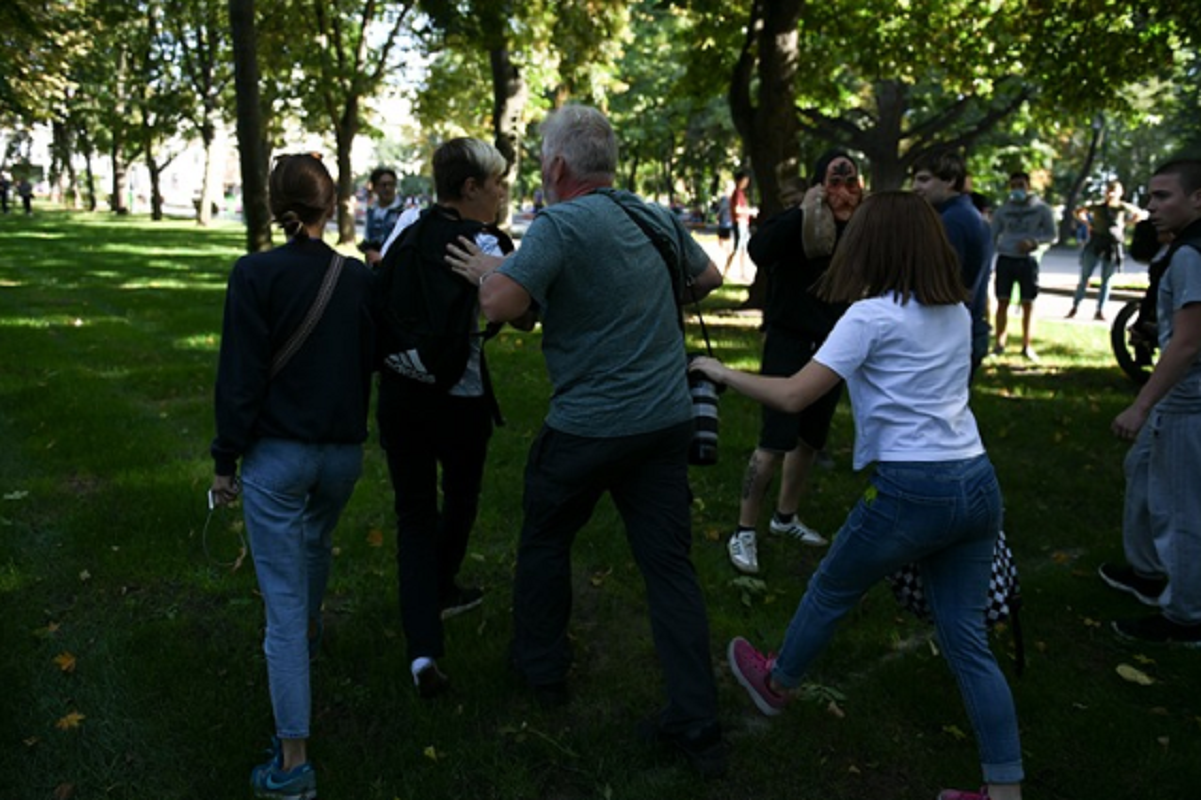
x,y
724,232
784,354
1022,270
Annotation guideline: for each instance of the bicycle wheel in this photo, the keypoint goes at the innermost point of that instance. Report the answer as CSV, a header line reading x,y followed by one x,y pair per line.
x,y
1136,359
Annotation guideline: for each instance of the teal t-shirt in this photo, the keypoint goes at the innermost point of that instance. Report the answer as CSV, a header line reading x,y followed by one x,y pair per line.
x,y
610,329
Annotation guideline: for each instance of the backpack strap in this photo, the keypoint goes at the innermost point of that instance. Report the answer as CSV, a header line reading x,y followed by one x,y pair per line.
x,y
301,334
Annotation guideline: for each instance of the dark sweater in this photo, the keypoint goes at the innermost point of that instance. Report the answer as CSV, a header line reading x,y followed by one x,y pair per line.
x,y
792,305
321,395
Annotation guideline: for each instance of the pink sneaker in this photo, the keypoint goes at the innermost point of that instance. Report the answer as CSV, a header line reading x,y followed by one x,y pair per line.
x,y
955,794
753,671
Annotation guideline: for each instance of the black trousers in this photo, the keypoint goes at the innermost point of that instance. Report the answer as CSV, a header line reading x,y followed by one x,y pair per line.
x,y
647,477
421,430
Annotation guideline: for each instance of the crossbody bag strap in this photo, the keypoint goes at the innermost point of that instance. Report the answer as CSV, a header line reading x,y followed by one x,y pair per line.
x,y
301,334
676,273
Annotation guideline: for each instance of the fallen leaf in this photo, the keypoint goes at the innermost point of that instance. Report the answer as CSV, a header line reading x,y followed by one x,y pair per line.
x,y
598,577
65,661
85,576
431,753
31,741
18,495
1091,623
954,731
70,722
375,538
237,565
854,770
64,791
1129,673
713,535
48,631
1163,740
1061,557
1142,659
836,710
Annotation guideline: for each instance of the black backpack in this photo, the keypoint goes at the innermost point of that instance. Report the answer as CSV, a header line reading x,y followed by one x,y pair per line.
x,y
429,314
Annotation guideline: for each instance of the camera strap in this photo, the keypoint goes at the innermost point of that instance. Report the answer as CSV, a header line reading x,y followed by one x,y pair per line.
x,y
672,261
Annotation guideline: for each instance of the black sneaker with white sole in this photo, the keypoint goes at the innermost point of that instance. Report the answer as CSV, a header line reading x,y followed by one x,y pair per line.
x,y
1158,629
1125,579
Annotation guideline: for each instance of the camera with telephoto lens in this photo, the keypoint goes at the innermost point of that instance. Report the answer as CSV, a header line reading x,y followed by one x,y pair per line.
x,y
703,450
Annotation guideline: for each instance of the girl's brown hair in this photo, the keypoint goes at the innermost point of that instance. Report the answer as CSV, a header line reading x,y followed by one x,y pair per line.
x,y
301,192
894,243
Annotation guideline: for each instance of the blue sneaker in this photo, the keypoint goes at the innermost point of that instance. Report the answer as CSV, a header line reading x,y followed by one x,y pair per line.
x,y
270,780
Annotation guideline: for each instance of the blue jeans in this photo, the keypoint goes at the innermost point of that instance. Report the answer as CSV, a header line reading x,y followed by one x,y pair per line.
x,y
1088,263
944,516
292,496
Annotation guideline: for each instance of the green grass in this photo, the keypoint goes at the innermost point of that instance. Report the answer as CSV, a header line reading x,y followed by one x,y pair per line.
x,y
108,336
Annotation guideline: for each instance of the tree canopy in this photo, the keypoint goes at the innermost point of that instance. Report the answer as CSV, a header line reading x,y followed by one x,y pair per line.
x,y
695,88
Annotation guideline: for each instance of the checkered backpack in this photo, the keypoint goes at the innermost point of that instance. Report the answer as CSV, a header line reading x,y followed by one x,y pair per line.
x,y
1004,594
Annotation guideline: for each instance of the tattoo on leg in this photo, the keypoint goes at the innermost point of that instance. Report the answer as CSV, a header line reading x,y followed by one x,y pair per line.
x,y
751,477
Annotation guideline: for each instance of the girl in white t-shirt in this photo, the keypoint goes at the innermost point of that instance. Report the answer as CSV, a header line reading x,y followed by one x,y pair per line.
x,y
904,350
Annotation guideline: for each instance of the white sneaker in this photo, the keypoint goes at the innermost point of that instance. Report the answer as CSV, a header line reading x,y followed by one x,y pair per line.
x,y
743,554
798,530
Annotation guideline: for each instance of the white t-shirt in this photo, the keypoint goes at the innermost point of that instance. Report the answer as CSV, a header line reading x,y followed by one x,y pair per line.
x,y
407,218
906,368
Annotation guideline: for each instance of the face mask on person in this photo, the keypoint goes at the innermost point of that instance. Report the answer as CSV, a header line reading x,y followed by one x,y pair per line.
x,y
1018,195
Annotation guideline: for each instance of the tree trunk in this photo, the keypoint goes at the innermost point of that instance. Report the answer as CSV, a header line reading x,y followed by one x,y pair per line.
x,y
768,124
156,176
1067,225
252,143
509,96
882,143
117,201
344,137
204,208
90,173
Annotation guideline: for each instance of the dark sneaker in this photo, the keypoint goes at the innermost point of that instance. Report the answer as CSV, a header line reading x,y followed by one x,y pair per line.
x,y
702,746
270,780
1158,629
1125,579
431,681
460,600
752,669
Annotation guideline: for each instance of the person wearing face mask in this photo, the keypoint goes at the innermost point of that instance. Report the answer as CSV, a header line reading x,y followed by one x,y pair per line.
x,y
795,248
1021,229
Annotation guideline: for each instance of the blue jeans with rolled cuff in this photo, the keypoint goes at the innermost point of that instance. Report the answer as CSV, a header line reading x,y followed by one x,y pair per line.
x,y
945,517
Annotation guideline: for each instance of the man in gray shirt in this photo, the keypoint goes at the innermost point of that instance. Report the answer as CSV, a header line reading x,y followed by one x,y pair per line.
x,y
620,418
1161,524
1021,227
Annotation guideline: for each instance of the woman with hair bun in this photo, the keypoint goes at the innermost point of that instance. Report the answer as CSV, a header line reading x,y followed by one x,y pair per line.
x,y
293,383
